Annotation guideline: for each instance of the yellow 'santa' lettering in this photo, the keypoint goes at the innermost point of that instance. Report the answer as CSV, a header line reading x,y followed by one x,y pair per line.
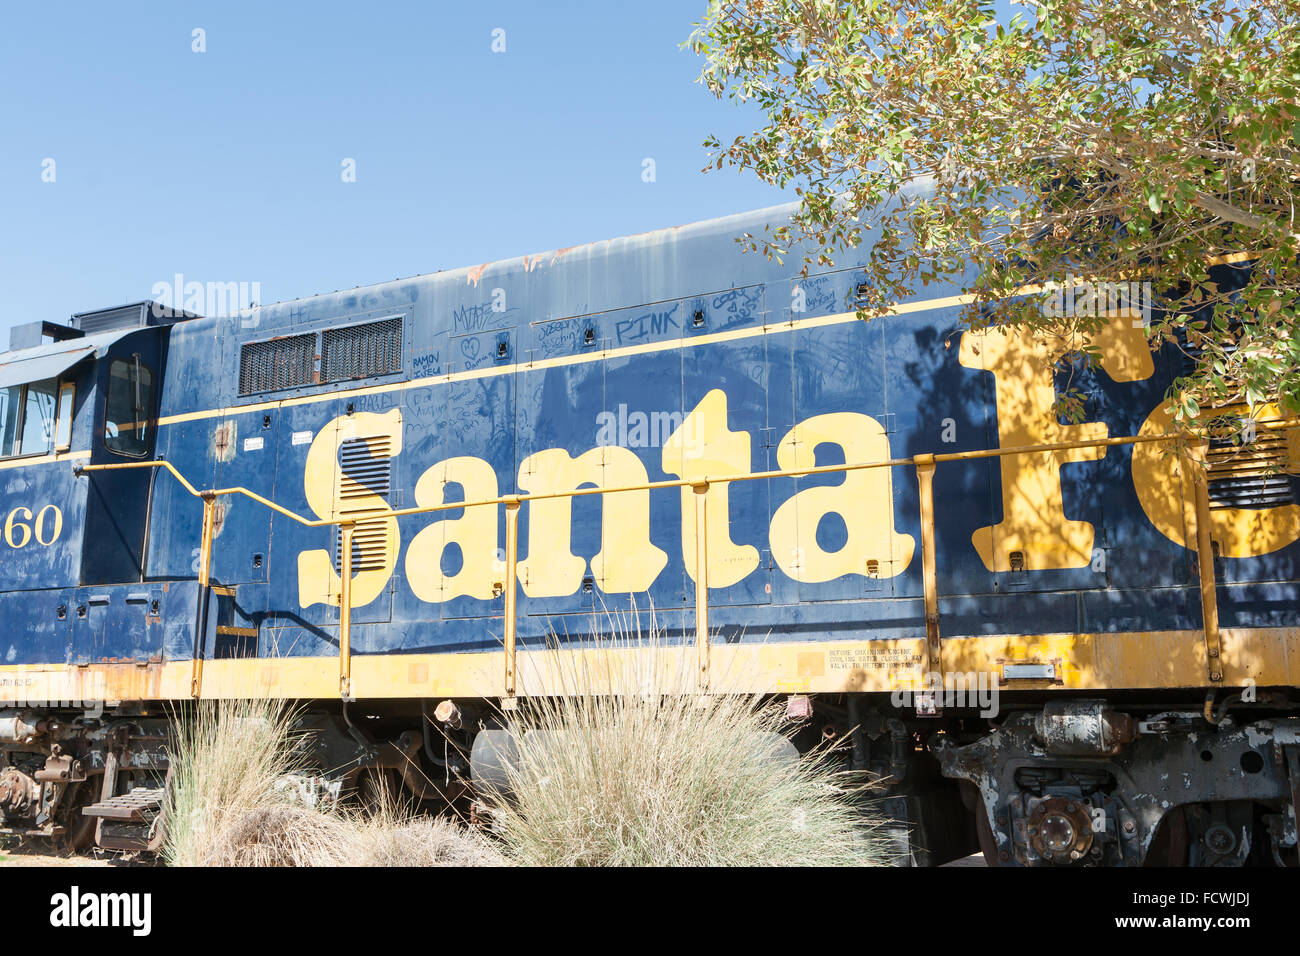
x,y
474,533
1033,512
1164,488
703,446
863,498
336,490
627,562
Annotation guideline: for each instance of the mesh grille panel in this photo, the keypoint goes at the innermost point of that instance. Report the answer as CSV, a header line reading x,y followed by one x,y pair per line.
x,y
280,363
361,351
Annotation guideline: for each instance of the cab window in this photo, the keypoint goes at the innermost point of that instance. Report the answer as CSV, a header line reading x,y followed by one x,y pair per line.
x,y
127,428
27,418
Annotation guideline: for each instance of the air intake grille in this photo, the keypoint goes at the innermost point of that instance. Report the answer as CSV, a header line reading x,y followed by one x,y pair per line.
x,y
361,351
1253,474
279,363
106,320
367,473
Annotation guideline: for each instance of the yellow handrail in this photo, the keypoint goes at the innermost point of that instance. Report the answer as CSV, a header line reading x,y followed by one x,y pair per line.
x,y
924,463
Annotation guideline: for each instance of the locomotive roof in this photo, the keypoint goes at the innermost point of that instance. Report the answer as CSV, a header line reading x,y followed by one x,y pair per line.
x,y
46,361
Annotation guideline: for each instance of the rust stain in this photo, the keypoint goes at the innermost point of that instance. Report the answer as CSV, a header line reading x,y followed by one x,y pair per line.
x,y
124,680
223,441
476,273
220,508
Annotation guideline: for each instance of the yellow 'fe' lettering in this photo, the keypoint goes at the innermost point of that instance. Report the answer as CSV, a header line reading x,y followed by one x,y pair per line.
x,y
1033,513
1164,488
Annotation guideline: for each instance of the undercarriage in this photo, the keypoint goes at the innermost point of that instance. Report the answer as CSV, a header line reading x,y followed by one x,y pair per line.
x,y
1059,782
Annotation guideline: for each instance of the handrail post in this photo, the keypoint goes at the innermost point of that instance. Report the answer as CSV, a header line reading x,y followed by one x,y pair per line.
x,y
205,591
701,490
930,580
508,609
345,610
1205,567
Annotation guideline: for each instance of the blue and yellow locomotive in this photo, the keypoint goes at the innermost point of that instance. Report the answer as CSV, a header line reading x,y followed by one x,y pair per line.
x,y
1063,642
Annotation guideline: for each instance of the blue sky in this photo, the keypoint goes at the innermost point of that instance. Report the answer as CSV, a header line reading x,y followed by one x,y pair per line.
x,y
226,165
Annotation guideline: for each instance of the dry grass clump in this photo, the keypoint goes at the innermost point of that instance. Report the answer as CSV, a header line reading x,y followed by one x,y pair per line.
x,y
419,841
226,759
634,767
630,766
226,807
281,835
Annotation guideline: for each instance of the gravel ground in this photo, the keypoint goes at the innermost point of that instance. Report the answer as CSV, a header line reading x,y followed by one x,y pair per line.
x,y
39,854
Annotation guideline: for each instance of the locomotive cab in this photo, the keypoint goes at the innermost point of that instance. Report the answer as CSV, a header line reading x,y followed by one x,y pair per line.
x,y
77,540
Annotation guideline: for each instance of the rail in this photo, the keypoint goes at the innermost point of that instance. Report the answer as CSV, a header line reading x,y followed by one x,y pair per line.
x,y
923,463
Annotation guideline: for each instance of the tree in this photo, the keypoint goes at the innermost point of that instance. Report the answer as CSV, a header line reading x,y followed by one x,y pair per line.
x,y
1108,140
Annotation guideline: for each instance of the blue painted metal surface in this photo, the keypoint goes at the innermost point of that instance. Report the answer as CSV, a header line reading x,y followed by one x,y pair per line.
x,y
119,581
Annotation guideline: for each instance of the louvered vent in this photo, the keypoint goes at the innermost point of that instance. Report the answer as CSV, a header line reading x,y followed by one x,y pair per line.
x,y
122,317
367,467
361,351
278,363
1253,474
1257,474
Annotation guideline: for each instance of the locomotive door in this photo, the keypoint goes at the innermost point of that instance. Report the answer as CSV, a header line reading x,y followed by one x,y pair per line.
x,y
637,433
115,623
129,380
559,411
725,399
247,458
476,420
353,469
935,405
839,534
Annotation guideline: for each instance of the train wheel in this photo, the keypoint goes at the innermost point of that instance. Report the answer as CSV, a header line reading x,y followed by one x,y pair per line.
x,y
378,789
1169,846
984,832
79,830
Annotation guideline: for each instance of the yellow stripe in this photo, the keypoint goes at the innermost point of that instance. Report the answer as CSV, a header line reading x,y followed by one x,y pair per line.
x,y
1092,662
43,459
647,348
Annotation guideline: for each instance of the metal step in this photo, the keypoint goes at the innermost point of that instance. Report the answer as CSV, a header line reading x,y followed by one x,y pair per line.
x,y
141,805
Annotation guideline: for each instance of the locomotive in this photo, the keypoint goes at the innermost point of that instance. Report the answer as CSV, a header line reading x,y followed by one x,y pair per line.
x,y
1064,643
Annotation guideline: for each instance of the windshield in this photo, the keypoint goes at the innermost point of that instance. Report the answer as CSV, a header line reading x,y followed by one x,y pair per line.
x,y
27,415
